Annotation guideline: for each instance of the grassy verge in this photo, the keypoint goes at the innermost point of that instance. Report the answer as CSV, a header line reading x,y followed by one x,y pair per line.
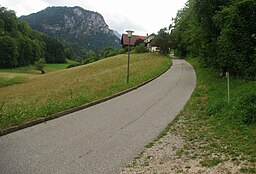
x,y
60,90
210,135
223,131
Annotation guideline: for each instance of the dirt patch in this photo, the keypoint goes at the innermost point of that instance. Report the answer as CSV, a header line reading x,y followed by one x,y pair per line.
x,y
184,149
173,154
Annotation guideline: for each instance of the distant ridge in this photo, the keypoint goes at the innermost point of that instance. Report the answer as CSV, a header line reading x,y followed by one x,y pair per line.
x,y
117,34
80,29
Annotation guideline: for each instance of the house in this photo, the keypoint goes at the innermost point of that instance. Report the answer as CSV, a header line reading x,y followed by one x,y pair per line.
x,y
135,40
148,43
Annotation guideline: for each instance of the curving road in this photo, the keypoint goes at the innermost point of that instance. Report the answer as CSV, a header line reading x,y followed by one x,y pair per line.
x,y
104,137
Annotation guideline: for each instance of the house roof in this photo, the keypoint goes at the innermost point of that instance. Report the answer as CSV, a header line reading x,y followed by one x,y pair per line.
x,y
134,38
149,38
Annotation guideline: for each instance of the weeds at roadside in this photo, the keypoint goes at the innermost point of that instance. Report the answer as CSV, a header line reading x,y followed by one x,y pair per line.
x,y
216,127
218,136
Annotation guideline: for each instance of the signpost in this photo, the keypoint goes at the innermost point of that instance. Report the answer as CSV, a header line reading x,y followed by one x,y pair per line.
x,y
227,76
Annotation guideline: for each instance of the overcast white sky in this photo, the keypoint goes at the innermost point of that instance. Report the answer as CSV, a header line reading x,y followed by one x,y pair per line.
x,y
142,16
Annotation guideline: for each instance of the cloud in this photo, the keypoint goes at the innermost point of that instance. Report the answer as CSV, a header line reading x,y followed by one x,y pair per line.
x,y
24,7
61,2
142,16
122,23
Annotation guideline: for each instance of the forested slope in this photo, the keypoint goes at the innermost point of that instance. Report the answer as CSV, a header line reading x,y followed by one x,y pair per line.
x,y
221,32
21,46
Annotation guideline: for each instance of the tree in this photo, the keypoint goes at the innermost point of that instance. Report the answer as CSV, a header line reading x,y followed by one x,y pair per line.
x,y
68,53
37,49
1,27
91,56
25,51
220,32
236,43
162,40
54,51
21,46
179,28
108,52
40,65
24,28
9,18
8,52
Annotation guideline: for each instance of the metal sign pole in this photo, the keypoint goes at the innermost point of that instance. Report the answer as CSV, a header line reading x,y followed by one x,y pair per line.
x,y
227,75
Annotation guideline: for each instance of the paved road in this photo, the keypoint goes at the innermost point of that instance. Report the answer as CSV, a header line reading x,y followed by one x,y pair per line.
x,y
102,138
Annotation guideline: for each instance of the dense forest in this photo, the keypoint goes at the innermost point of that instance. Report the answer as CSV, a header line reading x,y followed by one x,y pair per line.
x,y
221,32
21,46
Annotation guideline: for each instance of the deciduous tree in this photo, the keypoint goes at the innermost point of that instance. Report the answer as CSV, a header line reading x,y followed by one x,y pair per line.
x,y
40,65
8,52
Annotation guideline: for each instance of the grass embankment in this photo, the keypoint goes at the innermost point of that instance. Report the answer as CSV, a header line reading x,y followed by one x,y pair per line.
x,y
223,131
50,93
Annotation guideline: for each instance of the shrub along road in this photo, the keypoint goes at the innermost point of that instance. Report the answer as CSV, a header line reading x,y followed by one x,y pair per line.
x,y
104,137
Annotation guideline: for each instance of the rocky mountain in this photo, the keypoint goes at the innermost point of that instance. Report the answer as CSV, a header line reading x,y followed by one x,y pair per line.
x,y
117,34
80,29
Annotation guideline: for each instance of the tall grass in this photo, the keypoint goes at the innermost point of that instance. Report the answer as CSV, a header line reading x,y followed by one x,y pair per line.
x,y
50,93
227,128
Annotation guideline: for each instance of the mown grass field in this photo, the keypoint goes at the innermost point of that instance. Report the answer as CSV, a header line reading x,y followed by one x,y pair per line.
x,y
22,74
31,69
46,94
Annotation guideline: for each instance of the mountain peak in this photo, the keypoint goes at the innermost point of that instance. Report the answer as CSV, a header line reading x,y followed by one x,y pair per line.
x,y
74,25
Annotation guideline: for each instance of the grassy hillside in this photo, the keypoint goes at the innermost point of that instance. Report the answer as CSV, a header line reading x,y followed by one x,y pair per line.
x,y
46,94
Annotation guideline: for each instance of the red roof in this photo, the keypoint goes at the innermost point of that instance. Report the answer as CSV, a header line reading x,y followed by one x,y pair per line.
x,y
134,38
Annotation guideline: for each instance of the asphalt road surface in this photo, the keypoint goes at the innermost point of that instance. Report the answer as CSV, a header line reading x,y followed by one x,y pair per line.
x,y
103,138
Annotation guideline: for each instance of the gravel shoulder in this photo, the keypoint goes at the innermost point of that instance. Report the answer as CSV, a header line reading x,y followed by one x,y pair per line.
x,y
174,153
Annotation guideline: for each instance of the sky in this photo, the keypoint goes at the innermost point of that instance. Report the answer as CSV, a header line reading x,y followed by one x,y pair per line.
x,y
141,16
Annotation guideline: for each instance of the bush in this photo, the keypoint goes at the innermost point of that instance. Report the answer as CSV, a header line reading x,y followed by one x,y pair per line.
x,y
40,65
140,48
109,51
247,108
91,56
73,65
121,51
